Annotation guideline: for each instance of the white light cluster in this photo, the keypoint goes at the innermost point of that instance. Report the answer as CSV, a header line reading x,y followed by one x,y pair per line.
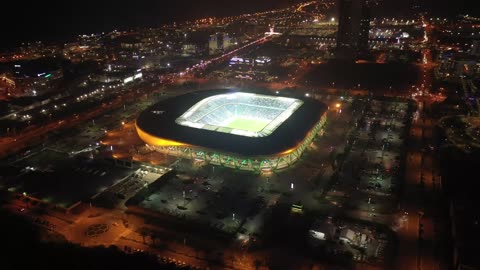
x,y
201,114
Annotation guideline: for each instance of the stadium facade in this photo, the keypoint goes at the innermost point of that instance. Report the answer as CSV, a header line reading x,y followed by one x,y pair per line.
x,y
241,130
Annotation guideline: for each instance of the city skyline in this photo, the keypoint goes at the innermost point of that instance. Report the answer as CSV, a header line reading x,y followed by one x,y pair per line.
x,y
40,20
241,135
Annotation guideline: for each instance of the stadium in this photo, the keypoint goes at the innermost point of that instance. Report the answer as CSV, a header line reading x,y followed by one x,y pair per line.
x,y
241,130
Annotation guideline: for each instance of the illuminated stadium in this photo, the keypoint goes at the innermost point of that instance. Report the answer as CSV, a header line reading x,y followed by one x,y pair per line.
x,y
244,114
246,131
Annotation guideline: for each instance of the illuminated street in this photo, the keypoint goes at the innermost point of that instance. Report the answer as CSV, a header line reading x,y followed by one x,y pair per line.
x,y
327,134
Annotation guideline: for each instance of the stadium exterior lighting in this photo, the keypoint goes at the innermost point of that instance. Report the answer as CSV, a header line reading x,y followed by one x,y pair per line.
x,y
241,130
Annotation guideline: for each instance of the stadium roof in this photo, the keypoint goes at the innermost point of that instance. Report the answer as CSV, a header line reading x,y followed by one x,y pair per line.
x,y
35,68
159,121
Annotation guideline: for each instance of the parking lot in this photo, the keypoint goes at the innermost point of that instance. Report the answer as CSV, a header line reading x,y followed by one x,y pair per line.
x,y
60,180
370,172
237,202
352,170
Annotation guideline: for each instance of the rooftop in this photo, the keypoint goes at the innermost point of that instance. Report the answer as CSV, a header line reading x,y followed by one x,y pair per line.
x,y
164,122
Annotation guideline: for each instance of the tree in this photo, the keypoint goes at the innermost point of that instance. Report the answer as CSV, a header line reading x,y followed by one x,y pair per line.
x,y
143,233
153,236
257,263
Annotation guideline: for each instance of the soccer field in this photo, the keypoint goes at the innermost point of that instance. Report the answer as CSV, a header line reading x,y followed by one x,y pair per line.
x,y
247,124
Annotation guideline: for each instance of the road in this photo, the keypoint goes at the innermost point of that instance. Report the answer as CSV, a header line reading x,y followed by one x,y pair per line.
x,y
417,238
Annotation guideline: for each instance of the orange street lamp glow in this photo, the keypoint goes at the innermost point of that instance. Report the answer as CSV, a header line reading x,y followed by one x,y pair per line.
x,y
337,105
156,141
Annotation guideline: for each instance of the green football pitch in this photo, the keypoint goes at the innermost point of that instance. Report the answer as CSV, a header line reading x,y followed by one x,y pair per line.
x,y
247,124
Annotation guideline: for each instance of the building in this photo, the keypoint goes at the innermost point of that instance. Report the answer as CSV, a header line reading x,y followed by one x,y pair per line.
x,y
130,43
228,41
117,74
6,84
220,42
7,80
241,63
347,236
416,7
250,68
76,52
215,44
323,229
263,61
344,23
34,77
353,28
241,130
457,66
248,63
364,31
189,49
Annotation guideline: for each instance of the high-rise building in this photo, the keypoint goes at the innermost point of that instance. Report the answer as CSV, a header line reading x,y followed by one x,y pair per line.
x,y
228,41
344,34
416,7
213,45
365,16
353,28
220,42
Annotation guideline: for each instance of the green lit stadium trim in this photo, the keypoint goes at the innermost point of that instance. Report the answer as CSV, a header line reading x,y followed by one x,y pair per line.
x,y
286,126
256,164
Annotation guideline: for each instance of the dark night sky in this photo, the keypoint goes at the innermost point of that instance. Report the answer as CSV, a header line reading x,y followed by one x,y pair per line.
x,y
44,20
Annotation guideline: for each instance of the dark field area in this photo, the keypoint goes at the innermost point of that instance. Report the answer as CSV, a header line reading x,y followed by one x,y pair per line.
x,y
61,182
371,76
